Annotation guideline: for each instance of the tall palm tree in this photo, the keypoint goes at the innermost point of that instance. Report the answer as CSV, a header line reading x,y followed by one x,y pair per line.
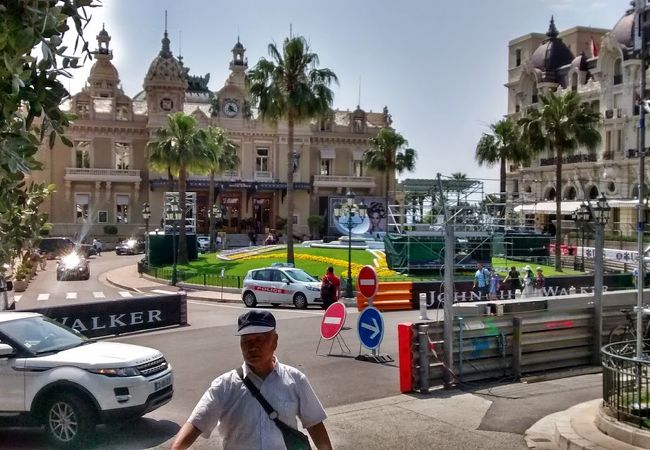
x,y
560,125
388,153
221,155
503,144
176,148
459,184
291,87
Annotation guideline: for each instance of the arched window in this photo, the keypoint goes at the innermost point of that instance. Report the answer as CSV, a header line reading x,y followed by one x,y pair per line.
x,y
611,186
593,193
550,194
574,82
618,72
570,193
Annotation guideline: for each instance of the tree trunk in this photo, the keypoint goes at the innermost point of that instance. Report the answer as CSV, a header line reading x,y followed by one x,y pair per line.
x,y
290,206
211,211
387,190
170,177
182,236
558,210
502,189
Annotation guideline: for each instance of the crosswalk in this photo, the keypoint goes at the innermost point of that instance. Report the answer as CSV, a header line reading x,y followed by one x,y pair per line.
x,y
45,296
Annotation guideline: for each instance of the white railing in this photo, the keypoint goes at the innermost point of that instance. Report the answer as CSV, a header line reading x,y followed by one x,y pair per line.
x,y
263,175
96,174
337,180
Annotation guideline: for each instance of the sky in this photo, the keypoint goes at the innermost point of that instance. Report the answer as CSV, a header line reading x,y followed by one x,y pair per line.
x,y
439,66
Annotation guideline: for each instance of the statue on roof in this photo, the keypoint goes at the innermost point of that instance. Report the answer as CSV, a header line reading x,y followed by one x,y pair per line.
x,y
196,83
388,119
214,104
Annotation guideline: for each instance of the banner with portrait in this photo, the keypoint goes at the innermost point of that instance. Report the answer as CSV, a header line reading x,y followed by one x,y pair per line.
x,y
375,221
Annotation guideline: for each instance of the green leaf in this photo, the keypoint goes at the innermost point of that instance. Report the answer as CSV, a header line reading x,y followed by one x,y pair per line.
x,y
67,142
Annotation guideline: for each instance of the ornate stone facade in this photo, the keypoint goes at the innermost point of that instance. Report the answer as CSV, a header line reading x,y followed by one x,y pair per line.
x,y
104,178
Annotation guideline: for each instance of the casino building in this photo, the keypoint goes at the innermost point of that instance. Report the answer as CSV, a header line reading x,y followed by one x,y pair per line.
x,y
104,178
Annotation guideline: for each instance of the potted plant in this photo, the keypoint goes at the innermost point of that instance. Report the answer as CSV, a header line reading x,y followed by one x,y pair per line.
x,y
21,278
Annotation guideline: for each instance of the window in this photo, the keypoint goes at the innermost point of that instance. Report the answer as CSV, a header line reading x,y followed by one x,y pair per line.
x,y
574,82
518,57
326,167
295,220
122,208
618,72
102,216
82,207
358,168
619,140
517,108
82,154
608,141
122,112
262,160
122,155
83,109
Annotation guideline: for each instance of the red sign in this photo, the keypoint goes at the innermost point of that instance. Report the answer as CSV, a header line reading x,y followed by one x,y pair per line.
x,y
367,282
333,321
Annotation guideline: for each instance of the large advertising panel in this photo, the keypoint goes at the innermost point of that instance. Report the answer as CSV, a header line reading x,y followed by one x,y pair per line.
x,y
375,221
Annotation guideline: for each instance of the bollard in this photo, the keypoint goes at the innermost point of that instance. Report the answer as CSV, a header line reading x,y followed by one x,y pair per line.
x,y
423,306
423,357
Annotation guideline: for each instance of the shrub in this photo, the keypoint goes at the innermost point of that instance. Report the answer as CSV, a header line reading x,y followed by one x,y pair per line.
x,y
110,229
316,225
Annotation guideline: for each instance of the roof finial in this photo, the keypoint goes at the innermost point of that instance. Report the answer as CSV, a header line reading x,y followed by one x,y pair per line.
x,y
165,51
552,31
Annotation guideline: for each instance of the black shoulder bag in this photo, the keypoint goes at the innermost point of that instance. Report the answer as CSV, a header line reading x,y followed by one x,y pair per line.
x,y
293,439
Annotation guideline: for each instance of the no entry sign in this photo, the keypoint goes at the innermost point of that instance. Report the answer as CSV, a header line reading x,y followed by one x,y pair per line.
x,y
333,321
367,281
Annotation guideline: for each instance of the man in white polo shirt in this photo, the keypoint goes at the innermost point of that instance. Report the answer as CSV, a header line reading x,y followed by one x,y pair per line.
x,y
241,420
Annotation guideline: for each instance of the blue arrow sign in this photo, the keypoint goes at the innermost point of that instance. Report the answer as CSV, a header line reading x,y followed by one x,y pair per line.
x,y
370,328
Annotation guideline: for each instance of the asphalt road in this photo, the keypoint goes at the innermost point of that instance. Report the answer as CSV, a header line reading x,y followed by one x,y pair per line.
x,y
44,290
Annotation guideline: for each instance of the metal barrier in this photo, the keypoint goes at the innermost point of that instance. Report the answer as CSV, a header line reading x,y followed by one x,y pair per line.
x,y
193,277
626,383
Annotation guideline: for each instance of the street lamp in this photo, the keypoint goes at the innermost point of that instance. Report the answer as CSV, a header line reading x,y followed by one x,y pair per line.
x,y
215,216
173,215
582,216
146,215
601,217
350,209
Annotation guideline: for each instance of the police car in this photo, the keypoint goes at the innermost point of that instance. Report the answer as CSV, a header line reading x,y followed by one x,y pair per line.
x,y
281,284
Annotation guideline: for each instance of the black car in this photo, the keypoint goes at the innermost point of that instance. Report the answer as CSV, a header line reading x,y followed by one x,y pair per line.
x,y
72,267
57,247
130,247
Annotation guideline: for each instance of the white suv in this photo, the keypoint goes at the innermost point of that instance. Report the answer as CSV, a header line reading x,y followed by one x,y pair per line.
x,y
69,383
277,285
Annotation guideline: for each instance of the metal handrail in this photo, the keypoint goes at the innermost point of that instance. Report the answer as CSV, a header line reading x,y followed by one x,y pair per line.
x,y
626,382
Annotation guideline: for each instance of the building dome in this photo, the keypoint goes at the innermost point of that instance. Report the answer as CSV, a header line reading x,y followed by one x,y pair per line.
x,y
551,54
165,69
623,31
580,62
103,69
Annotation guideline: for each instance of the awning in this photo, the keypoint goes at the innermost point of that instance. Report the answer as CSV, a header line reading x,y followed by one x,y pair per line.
x,y
568,207
327,153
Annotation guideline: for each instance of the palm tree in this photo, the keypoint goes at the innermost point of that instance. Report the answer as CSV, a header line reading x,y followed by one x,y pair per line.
x,y
459,184
500,146
176,148
560,125
222,156
388,153
291,87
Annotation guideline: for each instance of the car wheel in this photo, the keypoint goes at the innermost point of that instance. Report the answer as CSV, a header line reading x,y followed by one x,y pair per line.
x,y
249,300
300,300
69,421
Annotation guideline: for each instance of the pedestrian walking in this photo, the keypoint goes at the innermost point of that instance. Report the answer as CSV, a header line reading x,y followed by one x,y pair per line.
x,y
482,281
513,282
495,281
539,282
330,289
256,405
97,245
529,279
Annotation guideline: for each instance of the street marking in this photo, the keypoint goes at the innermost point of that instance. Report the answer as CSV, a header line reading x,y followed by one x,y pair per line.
x,y
125,294
43,297
332,320
99,295
162,291
17,298
71,295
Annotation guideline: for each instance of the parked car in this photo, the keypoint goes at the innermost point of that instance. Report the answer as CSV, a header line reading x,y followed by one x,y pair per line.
x,y
56,247
281,285
130,247
72,267
203,242
69,383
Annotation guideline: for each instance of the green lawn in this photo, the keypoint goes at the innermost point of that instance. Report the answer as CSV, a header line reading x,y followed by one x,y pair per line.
x,y
207,269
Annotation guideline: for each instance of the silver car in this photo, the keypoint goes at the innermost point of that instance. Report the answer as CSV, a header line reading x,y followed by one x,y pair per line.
x,y
281,285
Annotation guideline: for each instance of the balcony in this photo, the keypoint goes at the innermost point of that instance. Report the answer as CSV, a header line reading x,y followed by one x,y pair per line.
x,y
263,175
95,174
335,181
570,159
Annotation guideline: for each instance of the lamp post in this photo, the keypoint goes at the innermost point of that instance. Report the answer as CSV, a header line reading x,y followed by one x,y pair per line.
x,y
146,215
350,209
601,217
582,216
173,215
215,216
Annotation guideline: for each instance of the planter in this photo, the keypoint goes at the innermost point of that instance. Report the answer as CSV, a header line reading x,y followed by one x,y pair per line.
x,y
20,285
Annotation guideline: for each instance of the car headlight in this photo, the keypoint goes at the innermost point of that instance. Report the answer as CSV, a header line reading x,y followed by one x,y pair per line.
x,y
313,288
117,372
